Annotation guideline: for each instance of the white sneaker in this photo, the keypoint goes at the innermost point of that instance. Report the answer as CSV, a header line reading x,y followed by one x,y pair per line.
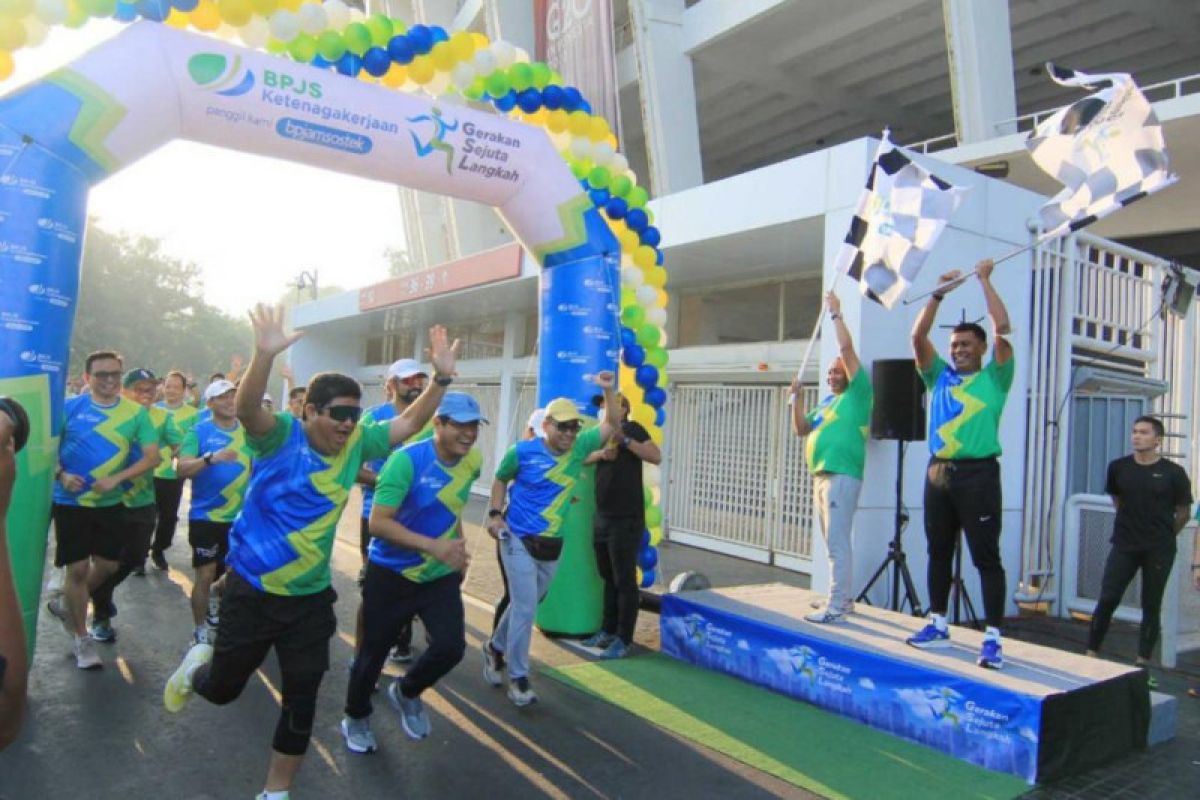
x,y
179,686
86,656
521,693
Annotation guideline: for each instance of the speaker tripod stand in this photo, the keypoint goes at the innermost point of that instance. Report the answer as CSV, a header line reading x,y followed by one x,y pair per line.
x,y
895,557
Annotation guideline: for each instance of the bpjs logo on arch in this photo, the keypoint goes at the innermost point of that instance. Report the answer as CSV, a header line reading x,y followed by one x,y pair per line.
x,y
225,76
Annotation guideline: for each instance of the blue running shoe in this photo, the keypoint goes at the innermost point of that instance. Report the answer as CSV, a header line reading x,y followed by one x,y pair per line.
x,y
991,655
929,637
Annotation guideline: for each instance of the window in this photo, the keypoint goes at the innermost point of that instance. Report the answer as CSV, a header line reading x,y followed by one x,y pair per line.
x,y
1100,426
764,312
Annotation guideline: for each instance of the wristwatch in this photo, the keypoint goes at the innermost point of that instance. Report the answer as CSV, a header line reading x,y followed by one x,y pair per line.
x,y
494,512
443,380
208,457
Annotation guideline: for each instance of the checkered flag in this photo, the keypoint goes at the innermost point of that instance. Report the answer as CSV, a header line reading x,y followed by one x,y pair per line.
x,y
1106,150
900,215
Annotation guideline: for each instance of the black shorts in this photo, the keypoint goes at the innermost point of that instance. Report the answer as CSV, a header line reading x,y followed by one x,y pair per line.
x,y
299,627
209,541
82,531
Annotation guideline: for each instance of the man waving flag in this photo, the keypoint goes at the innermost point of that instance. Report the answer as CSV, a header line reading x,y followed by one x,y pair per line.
x,y
1106,150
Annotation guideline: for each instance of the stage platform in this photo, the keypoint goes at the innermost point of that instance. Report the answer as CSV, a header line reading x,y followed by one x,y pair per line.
x,y
1046,715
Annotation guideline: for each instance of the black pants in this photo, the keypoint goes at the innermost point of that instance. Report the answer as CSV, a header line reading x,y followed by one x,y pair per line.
x,y
404,638
139,527
389,602
964,495
252,622
502,604
617,540
167,493
1119,571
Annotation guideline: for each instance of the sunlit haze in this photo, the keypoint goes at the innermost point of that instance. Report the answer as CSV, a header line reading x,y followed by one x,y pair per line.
x,y
251,223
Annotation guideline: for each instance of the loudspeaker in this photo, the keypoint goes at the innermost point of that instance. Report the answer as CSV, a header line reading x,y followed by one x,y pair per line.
x,y
899,410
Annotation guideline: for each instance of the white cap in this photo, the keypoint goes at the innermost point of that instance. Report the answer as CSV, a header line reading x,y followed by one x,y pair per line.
x,y
218,388
535,421
406,368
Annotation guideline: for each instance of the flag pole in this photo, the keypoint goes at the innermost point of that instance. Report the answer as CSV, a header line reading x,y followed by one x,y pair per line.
x,y
998,260
812,339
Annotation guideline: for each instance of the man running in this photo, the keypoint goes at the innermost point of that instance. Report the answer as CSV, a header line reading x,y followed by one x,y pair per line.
x,y
99,429
168,487
417,558
215,456
277,588
543,473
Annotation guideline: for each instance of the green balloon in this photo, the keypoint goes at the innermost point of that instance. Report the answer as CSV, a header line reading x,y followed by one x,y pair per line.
x,y
521,75
637,197
541,75
656,357
476,90
302,48
653,516
634,316
276,47
620,186
357,37
628,297
94,8
599,178
647,332
331,46
497,83
381,30
580,169
647,496
663,379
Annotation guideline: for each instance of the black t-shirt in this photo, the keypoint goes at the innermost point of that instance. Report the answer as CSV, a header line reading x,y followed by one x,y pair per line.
x,y
619,482
1148,495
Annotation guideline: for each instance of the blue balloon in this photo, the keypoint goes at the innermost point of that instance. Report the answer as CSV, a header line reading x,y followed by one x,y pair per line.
x,y
633,356
530,100
319,63
506,103
656,397
645,539
421,39
554,97
349,65
585,106
646,376
439,34
658,257
648,559
186,5
154,10
617,208
648,578
376,61
599,196
660,416
126,12
651,237
628,337
637,220
572,98
401,49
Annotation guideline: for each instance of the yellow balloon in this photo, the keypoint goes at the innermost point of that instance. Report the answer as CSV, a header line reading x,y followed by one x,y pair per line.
x,y
655,535
205,17
236,12
291,5
463,45
481,41
421,70
662,299
395,77
580,122
644,256
656,436
643,415
538,117
612,140
656,276
443,56
177,19
77,16
556,120
638,575
264,8
598,129
630,242
6,65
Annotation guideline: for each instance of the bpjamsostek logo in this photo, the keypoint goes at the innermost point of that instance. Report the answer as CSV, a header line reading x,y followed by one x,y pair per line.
x,y
219,74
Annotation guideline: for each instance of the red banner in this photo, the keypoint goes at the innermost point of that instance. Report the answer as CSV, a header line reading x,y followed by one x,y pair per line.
x,y
476,270
575,37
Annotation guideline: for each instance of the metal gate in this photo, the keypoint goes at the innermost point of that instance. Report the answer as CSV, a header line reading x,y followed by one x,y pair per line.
x,y
738,483
488,395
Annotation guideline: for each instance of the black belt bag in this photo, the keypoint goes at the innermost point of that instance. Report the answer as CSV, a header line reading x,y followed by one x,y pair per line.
x,y
542,548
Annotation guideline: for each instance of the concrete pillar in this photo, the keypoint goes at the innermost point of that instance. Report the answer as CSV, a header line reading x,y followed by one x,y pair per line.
x,y
668,96
514,343
979,46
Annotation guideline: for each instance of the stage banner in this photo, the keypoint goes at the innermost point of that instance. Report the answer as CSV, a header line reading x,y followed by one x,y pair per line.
x,y
975,722
575,37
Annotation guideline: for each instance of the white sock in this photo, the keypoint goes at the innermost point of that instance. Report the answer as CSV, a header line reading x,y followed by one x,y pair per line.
x,y
283,795
992,633
940,621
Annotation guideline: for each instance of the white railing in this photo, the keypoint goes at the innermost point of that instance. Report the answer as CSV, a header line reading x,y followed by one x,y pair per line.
x,y
1112,298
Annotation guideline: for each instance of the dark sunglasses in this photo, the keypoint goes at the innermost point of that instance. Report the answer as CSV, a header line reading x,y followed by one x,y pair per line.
x,y
568,427
107,376
343,413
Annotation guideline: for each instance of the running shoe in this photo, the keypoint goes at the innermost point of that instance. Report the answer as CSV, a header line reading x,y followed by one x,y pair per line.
x,y
102,631
400,655
826,616
86,656
991,655
616,649
179,686
214,611
357,733
139,570
159,561
413,716
599,640
493,664
929,637
521,693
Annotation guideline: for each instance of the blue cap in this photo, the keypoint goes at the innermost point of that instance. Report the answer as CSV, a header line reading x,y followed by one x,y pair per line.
x,y
460,407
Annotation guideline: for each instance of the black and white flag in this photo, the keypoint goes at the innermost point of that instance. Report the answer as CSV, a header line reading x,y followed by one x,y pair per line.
x,y
900,216
1106,150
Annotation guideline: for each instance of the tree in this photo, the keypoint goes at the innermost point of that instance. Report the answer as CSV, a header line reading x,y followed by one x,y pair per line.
x,y
399,262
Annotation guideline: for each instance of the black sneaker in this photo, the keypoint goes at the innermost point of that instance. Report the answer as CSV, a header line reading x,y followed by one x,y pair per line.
x,y
158,560
139,570
493,665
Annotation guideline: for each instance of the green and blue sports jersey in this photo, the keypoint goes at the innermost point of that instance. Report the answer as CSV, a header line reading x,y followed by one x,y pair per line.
x,y
219,489
837,441
281,541
96,442
964,410
542,482
182,418
139,492
386,412
429,497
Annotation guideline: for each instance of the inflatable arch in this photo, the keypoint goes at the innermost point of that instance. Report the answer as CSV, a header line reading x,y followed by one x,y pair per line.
x,y
602,282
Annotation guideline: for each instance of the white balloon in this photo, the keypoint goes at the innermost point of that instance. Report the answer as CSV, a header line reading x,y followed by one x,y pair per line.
x,y
313,19
284,25
463,74
438,84
619,164
255,32
51,12
356,14
651,475
35,31
647,295
632,276
227,32
338,14
657,316
602,153
484,61
520,56
504,52
581,148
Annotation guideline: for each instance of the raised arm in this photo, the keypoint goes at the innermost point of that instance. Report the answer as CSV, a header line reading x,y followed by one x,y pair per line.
x,y
997,313
844,339
443,355
612,406
800,425
270,339
923,350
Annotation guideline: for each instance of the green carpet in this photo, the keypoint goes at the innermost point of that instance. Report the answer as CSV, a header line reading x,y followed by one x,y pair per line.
x,y
801,744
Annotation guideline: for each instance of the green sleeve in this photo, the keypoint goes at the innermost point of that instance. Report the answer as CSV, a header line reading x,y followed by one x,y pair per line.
x,y
272,440
508,465
145,431
190,448
376,440
588,442
929,376
1003,373
394,479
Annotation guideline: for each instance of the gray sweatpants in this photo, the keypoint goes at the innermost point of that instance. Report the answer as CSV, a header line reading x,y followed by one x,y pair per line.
x,y
528,582
836,498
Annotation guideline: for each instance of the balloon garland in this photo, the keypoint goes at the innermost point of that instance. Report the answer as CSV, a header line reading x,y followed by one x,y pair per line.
x,y
454,67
